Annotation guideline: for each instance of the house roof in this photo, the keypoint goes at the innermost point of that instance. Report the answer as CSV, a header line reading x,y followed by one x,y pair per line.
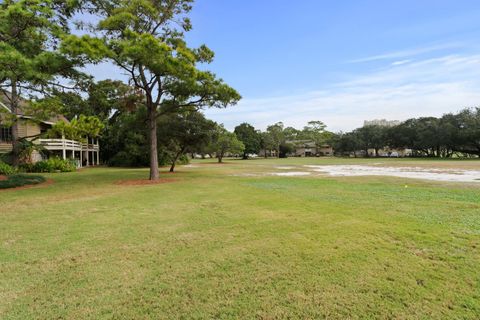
x,y
22,106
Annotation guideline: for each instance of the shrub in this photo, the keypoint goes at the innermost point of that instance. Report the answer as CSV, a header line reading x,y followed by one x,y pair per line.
x,y
51,165
6,169
183,159
19,180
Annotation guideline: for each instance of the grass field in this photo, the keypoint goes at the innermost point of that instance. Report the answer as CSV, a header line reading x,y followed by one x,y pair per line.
x,y
226,242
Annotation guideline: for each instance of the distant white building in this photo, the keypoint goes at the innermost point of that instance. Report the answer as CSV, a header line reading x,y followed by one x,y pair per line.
x,y
381,122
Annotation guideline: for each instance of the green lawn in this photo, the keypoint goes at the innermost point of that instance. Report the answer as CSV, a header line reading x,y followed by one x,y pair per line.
x,y
226,242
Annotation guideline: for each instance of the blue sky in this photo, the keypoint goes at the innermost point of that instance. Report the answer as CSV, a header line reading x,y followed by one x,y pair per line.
x,y
341,62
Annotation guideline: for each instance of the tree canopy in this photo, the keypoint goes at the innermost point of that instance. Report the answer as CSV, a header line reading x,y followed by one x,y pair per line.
x,y
145,39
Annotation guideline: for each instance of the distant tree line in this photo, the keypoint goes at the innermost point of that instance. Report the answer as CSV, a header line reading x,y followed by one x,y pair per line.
x,y
124,138
278,140
451,135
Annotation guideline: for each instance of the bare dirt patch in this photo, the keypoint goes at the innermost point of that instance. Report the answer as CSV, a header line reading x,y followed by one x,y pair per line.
x,y
2,178
145,182
443,174
290,174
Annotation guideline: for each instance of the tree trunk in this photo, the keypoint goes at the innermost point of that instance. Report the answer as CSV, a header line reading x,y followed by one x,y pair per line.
x,y
152,126
179,153
220,158
172,167
15,135
174,162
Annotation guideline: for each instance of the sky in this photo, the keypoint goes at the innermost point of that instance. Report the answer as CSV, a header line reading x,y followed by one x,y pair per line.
x,y
341,62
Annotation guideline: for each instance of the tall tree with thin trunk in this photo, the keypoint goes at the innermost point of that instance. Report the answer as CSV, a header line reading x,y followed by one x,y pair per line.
x,y
145,39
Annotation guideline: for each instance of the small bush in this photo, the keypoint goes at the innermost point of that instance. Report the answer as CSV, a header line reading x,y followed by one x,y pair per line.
x,y
19,180
183,159
6,169
50,165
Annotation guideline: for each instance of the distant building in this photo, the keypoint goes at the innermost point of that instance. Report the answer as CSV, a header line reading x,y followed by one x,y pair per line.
x,y
381,122
307,148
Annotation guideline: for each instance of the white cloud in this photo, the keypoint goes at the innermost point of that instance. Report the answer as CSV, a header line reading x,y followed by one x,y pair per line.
x,y
400,62
422,88
407,53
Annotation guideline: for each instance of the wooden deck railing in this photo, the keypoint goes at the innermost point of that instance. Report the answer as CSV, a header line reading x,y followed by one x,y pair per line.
x,y
66,144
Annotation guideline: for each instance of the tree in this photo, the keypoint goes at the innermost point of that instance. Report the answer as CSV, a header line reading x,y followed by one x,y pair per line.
x,y
291,134
125,140
250,138
266,143
315,131
226,142
78,129
30,62
372,136
346,143
285,149
145,39
104,99
466,137
183,132
277,137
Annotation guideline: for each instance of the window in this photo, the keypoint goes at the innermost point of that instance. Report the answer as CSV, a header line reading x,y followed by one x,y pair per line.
x,y
5,134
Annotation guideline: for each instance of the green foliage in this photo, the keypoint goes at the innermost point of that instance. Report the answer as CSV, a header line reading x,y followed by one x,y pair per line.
x,y
226,142
448,136
26,148
285,149
247,134
275,136
78,129
6,169
20,180
30,61
183,133
30,31
145,38
125,140
315,131
53,164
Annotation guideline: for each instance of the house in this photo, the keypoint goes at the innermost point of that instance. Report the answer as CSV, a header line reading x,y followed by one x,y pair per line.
x,y
308,148
85,153
391,152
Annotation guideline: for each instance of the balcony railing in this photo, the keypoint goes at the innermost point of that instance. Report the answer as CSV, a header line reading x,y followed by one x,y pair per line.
x,y
66,144
90,147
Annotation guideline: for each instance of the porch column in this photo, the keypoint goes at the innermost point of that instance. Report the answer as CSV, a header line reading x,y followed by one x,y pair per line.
x,y
98,153
81,157
64,152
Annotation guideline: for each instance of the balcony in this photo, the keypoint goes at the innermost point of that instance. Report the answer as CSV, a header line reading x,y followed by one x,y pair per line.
x,y
84,153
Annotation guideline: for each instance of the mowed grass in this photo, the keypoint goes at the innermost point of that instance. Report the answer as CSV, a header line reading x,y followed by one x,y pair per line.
x,y
217,243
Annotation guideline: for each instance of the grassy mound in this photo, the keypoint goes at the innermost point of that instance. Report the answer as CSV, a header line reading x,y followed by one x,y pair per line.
x,y
20,180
